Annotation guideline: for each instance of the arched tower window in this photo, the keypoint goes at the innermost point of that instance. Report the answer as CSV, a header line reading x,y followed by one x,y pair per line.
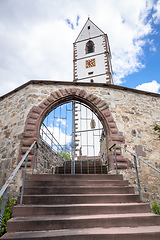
x,y
90,47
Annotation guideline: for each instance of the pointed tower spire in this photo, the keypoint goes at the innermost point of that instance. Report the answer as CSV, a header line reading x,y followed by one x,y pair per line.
x,y
92,57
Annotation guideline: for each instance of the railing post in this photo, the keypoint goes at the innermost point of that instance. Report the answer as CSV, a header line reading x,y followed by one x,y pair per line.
x,y
138,182
115,158
4,200
104,158
24,175
107,153
45,150
106,161
108,164
35,148
57,161
81,165
94,166
101,166
87,166
65,166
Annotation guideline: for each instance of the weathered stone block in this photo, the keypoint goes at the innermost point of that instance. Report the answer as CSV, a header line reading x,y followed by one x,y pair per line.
x,y
118,138
97,101
44,92
92,97
42,105
101,104
112,125
140,151
74,90
30,127
58,93
37,109
33,115
63,92
133,133
106,113
125,119
31,121
28,142
82,93
110,119
46,102
68,91
114,131
88,96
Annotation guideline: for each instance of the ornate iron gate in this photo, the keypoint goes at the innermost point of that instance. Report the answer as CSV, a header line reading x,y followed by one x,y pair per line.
x,y
72,132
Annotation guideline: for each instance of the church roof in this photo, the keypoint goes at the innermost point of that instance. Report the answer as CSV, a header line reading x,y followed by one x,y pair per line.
x,y
89,30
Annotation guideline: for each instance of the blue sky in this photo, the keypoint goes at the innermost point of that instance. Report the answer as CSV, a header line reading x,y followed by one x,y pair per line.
x,y
61,117
151,61
36,40
59,123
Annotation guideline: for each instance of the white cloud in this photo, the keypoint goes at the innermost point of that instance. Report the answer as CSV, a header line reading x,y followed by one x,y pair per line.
x,y
127,41
63,121
62,138
153,86
36,41
156,15
152,46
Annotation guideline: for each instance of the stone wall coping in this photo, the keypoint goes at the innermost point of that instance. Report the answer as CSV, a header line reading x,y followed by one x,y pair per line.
x,y
70,83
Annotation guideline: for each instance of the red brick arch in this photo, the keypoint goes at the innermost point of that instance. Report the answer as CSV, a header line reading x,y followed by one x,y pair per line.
x,y
38,113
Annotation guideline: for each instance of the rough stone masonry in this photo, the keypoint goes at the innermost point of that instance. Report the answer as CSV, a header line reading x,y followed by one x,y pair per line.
x,y
135,112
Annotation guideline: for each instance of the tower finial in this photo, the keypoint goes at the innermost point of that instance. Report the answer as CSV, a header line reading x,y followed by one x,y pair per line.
x,y
88,17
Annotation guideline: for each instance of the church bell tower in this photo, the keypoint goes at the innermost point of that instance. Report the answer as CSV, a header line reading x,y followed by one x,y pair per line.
x,y
92,56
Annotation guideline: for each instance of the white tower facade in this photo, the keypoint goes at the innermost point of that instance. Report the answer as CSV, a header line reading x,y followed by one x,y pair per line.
x,y
92,56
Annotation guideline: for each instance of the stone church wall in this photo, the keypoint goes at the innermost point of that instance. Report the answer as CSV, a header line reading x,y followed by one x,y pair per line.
x,y
135,112
47,159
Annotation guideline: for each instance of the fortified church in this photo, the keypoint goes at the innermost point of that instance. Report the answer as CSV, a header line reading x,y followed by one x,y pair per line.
x,y
126,117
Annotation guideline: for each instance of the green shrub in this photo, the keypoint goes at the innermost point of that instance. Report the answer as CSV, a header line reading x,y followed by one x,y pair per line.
x,y
156,208
156,128
66,155
7,213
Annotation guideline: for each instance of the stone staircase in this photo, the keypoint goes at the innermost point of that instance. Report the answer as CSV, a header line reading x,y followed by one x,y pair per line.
x,y
81,206
84,167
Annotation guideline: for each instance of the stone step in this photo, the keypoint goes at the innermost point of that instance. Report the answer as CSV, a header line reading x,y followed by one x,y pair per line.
x,y
84,170
89,170
85,165
76,182
85,162
116,233
46,177
79,198
77,190
74,222
121,165
80,209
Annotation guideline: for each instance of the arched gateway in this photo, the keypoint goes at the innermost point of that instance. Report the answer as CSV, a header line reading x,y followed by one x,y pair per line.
x,y
100,107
